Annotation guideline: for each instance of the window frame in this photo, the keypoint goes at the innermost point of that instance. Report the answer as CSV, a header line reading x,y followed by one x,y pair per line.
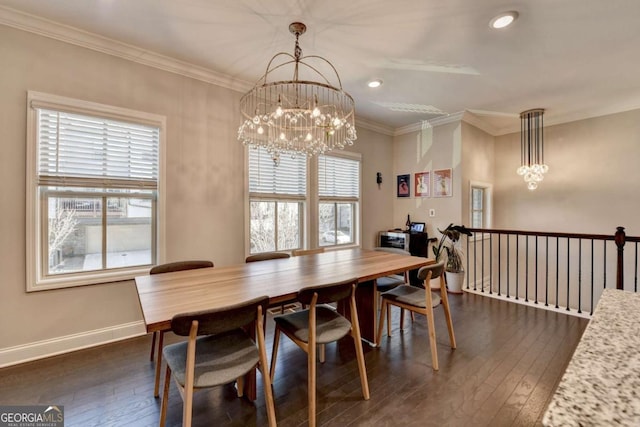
x,y
336,200
487,202
309,231
35,216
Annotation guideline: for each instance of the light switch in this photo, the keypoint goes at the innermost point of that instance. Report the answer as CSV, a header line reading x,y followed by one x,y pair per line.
x,y
432,212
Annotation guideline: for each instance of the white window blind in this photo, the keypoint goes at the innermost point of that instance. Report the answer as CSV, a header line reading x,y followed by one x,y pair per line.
x,y
288,178
87,151
338,177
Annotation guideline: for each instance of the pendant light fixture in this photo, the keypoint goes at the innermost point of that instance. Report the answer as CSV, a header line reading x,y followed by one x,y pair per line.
x,y
532,165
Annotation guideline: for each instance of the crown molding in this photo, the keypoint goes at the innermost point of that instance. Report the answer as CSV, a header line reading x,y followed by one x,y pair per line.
x,y
438,121
374,126
44,27
476,121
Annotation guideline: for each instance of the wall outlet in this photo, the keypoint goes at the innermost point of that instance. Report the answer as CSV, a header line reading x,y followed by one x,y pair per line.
x,y
432,212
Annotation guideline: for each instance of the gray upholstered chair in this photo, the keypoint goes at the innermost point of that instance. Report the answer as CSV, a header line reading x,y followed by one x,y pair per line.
x,y
319,325
169,268
420,301
218,351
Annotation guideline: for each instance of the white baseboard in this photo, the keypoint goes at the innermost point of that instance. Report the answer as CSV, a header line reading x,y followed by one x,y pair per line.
x,y
41,349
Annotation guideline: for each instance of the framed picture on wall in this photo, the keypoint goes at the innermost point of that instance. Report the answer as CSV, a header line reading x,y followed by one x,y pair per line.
x,y
404,189
442,182
422,184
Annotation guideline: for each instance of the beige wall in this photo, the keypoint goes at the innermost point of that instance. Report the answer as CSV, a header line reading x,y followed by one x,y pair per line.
x,y
593,181
431,148
478,165
377,212
204,177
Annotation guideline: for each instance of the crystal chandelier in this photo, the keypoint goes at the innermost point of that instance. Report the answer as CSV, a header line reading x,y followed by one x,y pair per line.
x,y
532,163
297,116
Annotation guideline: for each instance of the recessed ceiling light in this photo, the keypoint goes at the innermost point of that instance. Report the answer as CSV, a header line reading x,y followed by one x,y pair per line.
x,y
375,83
503,20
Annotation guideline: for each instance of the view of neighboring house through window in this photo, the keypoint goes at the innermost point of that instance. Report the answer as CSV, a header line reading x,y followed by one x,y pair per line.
x,y
95,190
339,194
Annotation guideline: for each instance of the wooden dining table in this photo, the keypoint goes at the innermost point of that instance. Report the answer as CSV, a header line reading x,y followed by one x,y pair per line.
x,y
164,295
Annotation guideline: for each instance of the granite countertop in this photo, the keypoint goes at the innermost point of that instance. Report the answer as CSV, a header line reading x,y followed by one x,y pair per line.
x,y
601,386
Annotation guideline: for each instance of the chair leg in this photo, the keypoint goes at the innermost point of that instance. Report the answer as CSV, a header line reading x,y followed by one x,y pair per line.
x,y
447,315
432,330
240,385
381,321
311,382
321,350
357,340
156,388
274,352
165,397
266,378
402,319
153,345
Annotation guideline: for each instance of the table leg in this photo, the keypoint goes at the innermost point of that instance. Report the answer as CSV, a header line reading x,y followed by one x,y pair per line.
x,y
250,380
367,311
156,388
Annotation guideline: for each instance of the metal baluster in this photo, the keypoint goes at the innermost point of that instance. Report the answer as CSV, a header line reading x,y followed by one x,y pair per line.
x,y
592,276
568,270
546,274
635,274
536,299
482,264
491,263
579,275
557,270
526,279
475,265
604,263
517,265
508,264
499,262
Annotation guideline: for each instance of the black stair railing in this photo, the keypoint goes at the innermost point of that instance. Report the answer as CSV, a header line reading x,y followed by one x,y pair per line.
x,y
559,270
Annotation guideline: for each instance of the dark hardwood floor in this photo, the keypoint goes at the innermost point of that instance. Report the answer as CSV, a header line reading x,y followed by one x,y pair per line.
x,y
507,364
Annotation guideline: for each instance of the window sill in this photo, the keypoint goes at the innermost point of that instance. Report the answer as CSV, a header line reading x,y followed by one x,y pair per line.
x,y
85,279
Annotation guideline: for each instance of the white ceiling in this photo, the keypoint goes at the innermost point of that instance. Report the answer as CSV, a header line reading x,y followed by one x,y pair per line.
x,y
575,58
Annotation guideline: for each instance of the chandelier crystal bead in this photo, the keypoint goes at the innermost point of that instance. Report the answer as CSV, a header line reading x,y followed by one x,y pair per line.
x,y
297,117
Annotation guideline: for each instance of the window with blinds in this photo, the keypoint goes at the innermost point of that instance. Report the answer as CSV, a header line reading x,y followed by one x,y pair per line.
x,y
339,195
277,195
94,175
288,178
80,150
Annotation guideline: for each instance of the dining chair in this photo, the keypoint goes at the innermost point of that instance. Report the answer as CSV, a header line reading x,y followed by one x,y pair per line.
x,y
265,256
169,268
320,324
301,252
386,283
420,301
219,351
